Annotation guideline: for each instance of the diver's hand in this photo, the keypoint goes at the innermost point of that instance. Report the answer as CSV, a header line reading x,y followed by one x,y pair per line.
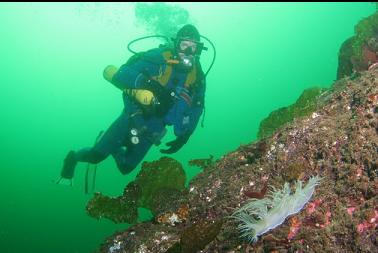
x,y
175,145
163,99
156,108
160,107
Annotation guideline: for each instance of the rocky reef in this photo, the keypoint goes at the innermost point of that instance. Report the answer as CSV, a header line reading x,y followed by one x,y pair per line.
x,y
304,106
338,142
360,51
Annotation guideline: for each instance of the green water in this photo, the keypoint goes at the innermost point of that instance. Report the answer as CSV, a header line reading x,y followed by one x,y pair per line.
x,y
53,98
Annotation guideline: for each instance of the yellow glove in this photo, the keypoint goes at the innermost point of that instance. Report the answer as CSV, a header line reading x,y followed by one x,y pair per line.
x,y
144,97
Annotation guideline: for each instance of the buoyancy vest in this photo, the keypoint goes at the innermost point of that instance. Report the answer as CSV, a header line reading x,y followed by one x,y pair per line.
x,y
144,96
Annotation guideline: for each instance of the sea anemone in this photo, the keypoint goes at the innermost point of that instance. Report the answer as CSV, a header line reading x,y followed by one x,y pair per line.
x,y
258,216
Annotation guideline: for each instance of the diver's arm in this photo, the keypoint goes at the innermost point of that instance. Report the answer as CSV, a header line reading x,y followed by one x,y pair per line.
x,y
185,126
184,129
132,77
134,73
142,96
123,78
129,77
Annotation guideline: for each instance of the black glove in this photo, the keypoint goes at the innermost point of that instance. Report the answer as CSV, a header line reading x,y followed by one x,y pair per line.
x,y
163,100
175,145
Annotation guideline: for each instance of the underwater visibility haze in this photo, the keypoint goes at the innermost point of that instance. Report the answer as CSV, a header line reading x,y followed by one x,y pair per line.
x,y
55,99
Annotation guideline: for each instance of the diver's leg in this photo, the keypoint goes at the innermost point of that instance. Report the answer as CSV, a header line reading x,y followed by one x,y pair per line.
x,y
89,155
109,142
119,156
114,137
128,159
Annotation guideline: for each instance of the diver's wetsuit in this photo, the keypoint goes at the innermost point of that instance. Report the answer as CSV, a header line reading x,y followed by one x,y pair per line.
x,y
183,115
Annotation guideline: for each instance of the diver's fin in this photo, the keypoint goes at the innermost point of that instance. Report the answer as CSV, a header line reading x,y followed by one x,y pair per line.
x,y
68,182
58,181
69,166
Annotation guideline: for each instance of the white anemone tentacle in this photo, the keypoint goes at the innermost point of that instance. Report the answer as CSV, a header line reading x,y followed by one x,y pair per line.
x,y
255,218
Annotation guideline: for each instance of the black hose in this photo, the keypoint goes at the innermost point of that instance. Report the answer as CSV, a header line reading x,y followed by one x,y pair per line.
x,y
166,38
95,168
145,37
215,54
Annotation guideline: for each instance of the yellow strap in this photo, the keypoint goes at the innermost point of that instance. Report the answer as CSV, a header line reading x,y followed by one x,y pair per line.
x,y
163,78
171,61
191,78
165,75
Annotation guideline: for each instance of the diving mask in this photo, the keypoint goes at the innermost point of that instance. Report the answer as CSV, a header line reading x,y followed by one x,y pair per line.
x,y
187,51
189,47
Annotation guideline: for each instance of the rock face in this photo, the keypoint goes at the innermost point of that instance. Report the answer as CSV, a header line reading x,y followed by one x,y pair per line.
x,y
338,142
304,106
360,51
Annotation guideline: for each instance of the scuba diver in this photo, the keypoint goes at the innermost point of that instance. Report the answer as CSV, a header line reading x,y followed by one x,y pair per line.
x,y
161,87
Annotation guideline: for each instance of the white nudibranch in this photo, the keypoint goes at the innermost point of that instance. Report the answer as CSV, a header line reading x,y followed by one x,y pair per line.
x,y
255,217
